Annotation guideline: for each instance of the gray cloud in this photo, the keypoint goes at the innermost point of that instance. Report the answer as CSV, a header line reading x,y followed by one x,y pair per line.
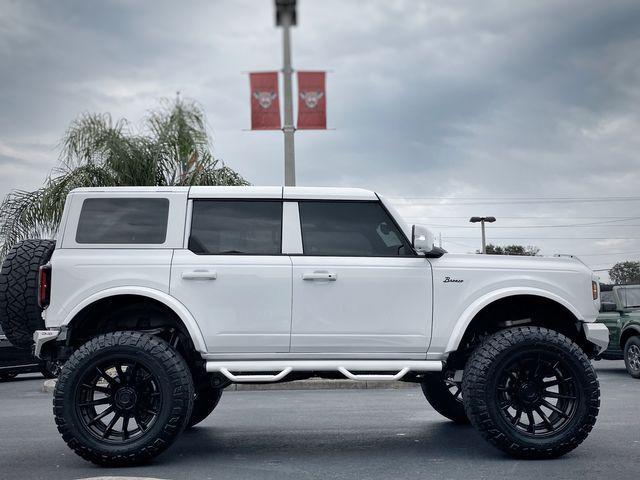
x,y
428,98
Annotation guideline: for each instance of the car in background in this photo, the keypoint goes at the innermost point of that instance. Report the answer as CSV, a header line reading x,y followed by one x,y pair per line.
x,y
620,312
14,361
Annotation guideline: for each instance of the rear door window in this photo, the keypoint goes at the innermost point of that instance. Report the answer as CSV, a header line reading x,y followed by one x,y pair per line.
x,y
123,221
236,227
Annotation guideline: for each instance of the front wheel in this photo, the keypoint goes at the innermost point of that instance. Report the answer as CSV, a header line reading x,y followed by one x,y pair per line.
x,y
632,356
123,398
531,392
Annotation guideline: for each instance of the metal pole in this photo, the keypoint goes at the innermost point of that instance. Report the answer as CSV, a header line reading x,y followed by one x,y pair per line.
x,y
288,128
484,242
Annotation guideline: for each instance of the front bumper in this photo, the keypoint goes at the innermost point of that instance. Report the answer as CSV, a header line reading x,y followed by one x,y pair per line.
x,y
597,334
40,337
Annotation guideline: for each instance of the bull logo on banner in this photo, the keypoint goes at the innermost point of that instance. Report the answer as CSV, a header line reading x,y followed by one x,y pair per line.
x,y
265,99
311,99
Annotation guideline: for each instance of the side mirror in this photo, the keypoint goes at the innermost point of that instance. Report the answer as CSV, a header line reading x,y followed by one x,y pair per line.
x,y
608,307
422,239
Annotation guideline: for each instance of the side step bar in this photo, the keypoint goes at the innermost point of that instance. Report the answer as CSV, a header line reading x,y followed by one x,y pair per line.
x,y
396,368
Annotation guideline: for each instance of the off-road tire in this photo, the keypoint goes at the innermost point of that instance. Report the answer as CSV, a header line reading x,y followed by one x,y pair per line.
x,y
206,400
631,347
493,358
160,360
20,314
49,369
437,391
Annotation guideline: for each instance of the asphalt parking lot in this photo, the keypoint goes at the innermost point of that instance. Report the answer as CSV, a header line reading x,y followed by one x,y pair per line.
x,y
325,434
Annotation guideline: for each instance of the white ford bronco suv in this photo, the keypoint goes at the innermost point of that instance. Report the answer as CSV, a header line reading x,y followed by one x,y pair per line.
x,y
154,300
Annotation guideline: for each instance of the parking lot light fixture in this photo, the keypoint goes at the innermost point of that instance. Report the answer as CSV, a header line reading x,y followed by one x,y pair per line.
x,y
482,221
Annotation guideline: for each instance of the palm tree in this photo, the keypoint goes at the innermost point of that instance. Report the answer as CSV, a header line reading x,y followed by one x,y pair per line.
x,y
173,149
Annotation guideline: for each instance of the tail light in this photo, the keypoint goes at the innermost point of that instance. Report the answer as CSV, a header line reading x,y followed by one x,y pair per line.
x,y
44,286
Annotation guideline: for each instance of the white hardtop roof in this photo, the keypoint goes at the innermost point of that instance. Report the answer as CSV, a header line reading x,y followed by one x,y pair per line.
x,y
293,193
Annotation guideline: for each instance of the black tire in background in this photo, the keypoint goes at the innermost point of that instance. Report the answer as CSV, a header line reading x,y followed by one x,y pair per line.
x,y
20,314
632,356
7,376
49,369
531,392
123,398
445,396
206,400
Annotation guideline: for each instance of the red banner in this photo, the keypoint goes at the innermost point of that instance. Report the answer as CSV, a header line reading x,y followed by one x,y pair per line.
x,y
265,104
312,101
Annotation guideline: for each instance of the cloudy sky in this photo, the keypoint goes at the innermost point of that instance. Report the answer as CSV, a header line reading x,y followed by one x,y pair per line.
x,y
525,110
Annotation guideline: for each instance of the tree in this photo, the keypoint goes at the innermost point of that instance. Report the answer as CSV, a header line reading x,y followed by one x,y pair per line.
x,y
512,250
172,149
624,273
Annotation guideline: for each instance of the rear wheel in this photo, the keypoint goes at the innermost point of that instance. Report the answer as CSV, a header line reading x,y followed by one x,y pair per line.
x,y
632,356
445,395
531,392
123,398
206,400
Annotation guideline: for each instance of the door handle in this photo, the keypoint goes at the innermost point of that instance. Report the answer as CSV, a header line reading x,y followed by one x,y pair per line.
x,y
199,275
328,276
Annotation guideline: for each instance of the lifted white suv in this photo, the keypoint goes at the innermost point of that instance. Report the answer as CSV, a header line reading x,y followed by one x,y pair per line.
x,y
156,299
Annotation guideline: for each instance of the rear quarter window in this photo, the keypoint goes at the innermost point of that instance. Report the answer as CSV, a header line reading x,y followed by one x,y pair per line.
x,y
123,221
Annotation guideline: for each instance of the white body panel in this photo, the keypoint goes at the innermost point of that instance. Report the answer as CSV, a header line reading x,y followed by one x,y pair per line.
x,y
372,305
487,278
288,306
245,308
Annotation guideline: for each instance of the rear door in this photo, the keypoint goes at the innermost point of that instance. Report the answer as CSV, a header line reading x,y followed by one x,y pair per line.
x,y
233,276
358,288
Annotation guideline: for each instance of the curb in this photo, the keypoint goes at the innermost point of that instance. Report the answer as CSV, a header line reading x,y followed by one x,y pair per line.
x,y
314,384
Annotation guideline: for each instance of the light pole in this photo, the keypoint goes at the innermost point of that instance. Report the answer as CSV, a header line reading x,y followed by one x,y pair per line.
x,y
286,18
482,220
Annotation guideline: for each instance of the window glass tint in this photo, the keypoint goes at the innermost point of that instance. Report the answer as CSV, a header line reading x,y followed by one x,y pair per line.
x,y
236,227
350,229
123,220
607,296
630,297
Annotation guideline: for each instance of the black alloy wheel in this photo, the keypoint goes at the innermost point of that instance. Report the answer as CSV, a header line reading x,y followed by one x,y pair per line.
x,y
122,398
537,393
531,392
118,400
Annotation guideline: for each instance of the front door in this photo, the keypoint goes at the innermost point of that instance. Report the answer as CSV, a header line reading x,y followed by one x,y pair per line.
x,y
233,278
358,288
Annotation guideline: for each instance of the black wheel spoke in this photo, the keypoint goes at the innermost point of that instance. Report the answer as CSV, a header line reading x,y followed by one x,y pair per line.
x,y
109,379
550,406
100,416
532,423
143,425
100,401
559,395
516,417
125,427
109,428
121,376
545,419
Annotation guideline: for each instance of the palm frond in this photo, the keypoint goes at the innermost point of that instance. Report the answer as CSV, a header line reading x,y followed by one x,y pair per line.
x,y
96,152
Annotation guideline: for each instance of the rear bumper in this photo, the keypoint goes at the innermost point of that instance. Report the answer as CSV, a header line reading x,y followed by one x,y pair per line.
x,y
597,334
40,337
